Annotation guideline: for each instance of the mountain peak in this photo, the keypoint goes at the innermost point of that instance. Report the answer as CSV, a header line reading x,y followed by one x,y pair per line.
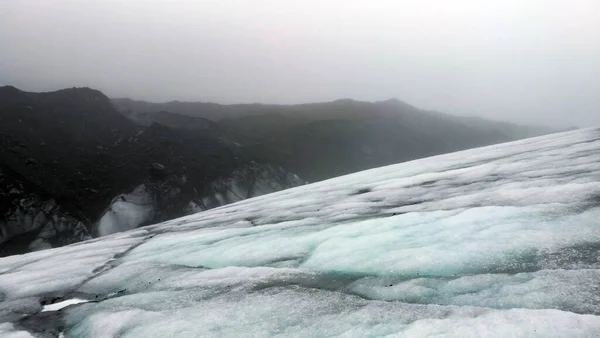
x,y
86,93
395,102
345,100
9,88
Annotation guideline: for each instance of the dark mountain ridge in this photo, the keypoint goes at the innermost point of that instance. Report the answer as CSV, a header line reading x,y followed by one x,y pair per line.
x,y
328,139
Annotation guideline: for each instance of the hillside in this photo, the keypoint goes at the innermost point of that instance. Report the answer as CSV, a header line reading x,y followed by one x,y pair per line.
x,y
324,140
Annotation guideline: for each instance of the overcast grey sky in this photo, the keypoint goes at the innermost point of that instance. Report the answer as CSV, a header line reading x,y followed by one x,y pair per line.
x,y
520,60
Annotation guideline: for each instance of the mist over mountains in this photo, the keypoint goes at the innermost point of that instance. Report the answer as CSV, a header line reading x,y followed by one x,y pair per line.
x,y
328,139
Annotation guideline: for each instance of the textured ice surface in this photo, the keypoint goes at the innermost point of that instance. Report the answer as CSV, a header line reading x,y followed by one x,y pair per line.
x,y
7,330
62,270
502,241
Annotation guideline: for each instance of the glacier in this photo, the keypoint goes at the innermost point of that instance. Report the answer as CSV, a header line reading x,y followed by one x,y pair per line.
x,y
500,241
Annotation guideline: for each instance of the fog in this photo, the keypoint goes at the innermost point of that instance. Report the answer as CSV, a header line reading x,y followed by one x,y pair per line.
x,y
528,61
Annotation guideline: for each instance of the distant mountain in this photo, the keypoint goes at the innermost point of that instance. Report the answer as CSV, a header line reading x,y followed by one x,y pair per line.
x,y
173,120
211,111
324,140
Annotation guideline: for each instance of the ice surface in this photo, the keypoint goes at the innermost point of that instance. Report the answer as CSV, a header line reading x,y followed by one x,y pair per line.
x,y
513,323
575,290
11,310
7,330
301,312
502,241
59,270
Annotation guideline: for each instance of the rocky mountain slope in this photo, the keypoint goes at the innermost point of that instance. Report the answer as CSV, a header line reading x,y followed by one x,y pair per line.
x,y
73,167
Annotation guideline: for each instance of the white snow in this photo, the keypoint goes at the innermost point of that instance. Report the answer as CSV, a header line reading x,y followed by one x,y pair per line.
x,y
127,211
63,304
501,241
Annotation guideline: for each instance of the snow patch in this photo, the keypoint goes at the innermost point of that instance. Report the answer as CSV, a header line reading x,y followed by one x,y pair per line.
x,y
63,304
127,212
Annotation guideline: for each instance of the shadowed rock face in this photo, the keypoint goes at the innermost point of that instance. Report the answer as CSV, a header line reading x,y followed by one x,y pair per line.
x,y
33,220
